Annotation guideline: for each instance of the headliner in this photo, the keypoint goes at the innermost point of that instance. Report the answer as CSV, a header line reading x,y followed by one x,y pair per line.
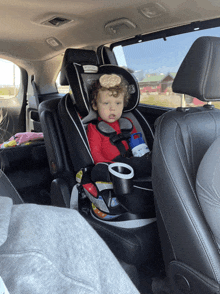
x,y
24,36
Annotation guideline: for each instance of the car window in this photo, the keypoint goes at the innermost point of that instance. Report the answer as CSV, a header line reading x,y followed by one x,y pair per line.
x,y
155,64
10,100
61,89
9,79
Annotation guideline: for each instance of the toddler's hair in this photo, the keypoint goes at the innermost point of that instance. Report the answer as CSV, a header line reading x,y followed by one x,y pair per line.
x,y
116,91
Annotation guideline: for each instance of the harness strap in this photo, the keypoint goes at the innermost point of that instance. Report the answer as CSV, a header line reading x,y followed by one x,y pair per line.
x,y
124,123
126,127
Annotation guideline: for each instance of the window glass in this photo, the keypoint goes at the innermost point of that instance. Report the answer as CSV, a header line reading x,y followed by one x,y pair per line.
x,y
155,64
10,101
9,79
61,89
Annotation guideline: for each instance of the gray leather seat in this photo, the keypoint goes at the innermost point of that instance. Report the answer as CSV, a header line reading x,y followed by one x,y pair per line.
x,y
208,188
182,138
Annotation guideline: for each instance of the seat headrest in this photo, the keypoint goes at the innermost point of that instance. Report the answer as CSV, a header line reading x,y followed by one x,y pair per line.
x,y
81,76
199,73
80,56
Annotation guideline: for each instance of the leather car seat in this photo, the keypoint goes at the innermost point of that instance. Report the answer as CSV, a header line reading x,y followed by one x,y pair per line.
x,y
182,138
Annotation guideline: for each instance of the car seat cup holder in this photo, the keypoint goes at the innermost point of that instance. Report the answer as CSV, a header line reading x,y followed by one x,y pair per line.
x,y
121,175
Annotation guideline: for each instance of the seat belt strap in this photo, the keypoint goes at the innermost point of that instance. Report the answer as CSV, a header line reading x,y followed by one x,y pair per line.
x,y
126,127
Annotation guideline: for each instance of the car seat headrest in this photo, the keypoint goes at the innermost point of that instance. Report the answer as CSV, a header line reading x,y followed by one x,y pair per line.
x,y
199,73
80,56
81,76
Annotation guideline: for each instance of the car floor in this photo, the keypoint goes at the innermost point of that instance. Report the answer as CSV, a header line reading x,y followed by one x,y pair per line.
x,y
152,279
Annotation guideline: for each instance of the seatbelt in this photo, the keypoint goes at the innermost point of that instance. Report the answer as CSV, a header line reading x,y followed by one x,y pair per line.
x,y
126,127
35,92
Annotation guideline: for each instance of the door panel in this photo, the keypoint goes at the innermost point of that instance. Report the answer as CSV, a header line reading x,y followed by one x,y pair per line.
x,y
151,112
9,117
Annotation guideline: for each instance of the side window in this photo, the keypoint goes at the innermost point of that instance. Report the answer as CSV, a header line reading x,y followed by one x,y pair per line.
x,y
155,64
10,100
9,79
61,89
154,78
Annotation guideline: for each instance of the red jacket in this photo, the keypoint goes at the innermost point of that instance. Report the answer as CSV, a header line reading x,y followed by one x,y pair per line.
x,y
101,148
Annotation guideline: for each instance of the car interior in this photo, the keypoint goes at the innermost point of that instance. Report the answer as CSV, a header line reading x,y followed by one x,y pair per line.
x,y
159,229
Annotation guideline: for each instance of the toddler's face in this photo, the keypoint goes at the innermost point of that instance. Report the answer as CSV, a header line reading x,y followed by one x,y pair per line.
x,y
109,107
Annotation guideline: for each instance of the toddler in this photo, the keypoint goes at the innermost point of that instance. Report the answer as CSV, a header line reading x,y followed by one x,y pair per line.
x,y
109,96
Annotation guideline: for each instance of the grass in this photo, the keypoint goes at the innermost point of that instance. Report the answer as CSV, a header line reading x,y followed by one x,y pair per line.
x,y
171,101
8,91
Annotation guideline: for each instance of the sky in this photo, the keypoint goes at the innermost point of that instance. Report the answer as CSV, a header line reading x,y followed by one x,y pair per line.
x,y
161,56
6,73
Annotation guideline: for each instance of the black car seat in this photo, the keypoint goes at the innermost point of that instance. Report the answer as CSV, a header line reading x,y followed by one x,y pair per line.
x,y
133,236
182,137
80,78
8,190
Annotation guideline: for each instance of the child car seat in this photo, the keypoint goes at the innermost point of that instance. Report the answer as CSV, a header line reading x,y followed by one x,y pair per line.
x,y
133,235
80,78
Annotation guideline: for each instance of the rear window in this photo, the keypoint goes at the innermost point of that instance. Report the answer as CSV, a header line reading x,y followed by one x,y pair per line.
x,y
155,64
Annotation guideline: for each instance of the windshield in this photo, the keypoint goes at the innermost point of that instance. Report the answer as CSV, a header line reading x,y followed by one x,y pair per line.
x,y
155,64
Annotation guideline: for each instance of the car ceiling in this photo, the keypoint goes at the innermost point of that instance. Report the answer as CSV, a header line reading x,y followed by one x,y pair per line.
x,y
25,33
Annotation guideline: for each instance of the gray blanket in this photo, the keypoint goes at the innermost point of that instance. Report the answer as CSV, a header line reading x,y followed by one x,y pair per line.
x,y
50,250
